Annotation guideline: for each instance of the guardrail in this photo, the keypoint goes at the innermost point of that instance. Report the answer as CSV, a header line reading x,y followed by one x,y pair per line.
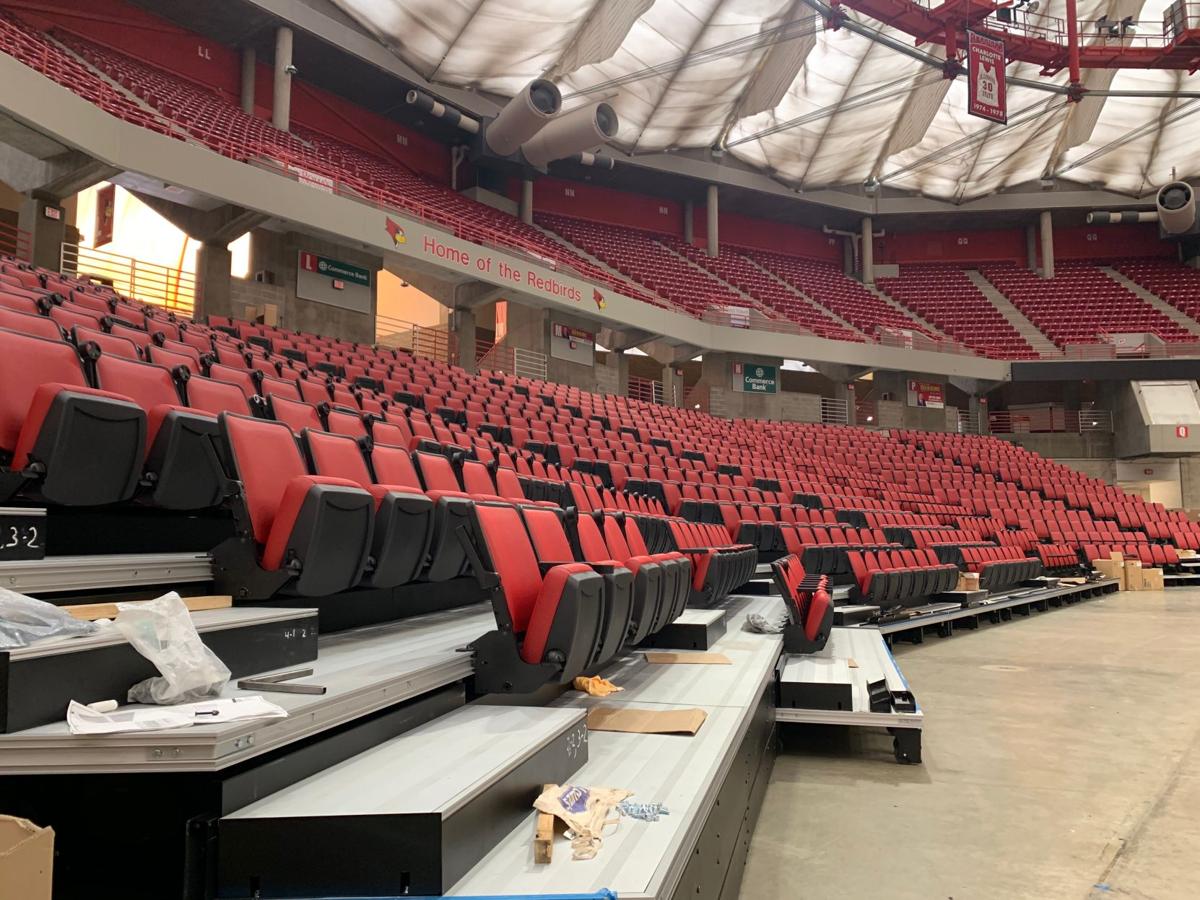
x,y
1050,420
166,286
645,389
501,357
834,411
431,341
969,423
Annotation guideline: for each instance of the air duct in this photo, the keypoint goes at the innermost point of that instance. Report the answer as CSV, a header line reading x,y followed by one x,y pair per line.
x,y
440,110
575,132
1176,204
525,115
1125,217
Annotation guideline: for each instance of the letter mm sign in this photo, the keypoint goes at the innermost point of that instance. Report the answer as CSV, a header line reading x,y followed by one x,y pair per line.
x,y
986,96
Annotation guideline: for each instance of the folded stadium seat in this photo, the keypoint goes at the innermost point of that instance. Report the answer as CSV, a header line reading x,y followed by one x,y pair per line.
x,y
807,603
647,598
172,359
550,623
637,546
297,533
446,556
347,422
60,439
668,565
717,566
403,515
68,315
183,469
552,547
30,324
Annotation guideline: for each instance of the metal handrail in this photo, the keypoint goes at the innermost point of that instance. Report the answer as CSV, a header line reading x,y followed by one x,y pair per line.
x,y
1050,419
645,389
834,411
166,286
431,341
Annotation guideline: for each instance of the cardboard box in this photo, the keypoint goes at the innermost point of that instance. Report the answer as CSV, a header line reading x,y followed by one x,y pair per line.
x,y
1111,568
1152,579
1133,575
1117,556
968,581
26,860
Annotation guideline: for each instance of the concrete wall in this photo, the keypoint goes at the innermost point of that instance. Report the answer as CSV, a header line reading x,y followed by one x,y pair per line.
x,y
716,371
562,370
1189,481
278,252
1065,446
1104,469
798,407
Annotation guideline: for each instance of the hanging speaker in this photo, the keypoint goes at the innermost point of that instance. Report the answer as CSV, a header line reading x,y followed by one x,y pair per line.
x,y
524,116
1176,204
580,130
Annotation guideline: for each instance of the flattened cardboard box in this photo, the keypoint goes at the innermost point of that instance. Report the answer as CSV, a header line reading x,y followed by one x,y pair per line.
x,y
26,860
645,721
656,657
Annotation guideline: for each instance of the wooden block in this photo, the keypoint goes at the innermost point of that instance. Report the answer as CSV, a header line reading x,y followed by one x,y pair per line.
x,y
543,835
92,611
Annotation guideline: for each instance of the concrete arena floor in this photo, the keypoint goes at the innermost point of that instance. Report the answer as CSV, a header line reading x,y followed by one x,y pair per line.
x,y
1061,760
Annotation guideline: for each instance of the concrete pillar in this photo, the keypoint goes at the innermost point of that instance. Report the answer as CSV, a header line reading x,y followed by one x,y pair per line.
x,y
526,205
868,251
46,233
622,374
214,284
281,109
689,222
672,386
1047,229
713,214
464,330
1031,247
249,64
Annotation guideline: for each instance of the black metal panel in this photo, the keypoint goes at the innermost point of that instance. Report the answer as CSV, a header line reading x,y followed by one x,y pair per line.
x,y
687,635
161,818
389,854
77,531
715,864
38,689
1107,370
371,606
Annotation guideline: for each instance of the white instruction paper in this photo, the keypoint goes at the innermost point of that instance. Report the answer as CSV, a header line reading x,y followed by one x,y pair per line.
x,y
83,719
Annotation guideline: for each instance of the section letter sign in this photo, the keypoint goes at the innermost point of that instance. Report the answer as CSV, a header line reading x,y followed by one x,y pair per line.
x,y
986,95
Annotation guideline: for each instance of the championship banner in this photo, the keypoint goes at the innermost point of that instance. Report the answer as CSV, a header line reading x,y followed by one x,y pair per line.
x,y
106,215
986,96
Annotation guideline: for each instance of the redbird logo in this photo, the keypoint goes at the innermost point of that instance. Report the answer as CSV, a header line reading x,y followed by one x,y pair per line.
x,y
395,231
599,298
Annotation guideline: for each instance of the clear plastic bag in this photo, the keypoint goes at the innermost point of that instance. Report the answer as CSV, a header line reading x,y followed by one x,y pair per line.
x,y
162,631
24,620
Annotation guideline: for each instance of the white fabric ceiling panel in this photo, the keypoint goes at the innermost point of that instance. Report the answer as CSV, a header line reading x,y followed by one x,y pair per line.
x,y
814,109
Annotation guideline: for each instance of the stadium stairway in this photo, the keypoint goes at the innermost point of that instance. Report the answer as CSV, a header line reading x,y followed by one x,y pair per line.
x,y
1038,341
1179,318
